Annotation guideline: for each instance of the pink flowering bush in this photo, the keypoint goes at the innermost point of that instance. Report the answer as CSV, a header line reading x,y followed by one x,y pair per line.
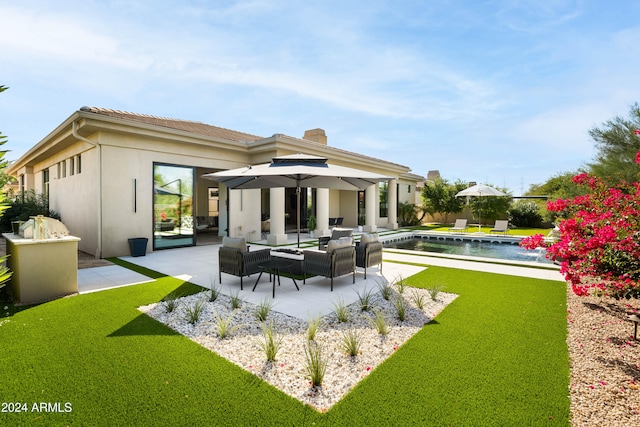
x,y
599,245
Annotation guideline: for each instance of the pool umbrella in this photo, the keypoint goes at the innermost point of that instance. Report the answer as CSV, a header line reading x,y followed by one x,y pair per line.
x,y
480,190
297,171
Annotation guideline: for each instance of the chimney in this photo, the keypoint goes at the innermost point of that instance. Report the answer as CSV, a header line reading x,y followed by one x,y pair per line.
x,y
316,135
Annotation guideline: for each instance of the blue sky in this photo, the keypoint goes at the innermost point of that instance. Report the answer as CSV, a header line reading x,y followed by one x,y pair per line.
x,y
501,92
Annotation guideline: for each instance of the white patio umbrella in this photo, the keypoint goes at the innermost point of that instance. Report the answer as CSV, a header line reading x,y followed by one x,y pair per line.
x,y
297,171
480,190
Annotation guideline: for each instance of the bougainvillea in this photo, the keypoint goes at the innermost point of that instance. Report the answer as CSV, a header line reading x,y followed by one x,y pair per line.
x,y
599,244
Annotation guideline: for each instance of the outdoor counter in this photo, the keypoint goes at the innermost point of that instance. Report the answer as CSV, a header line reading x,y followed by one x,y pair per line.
x,y
42,269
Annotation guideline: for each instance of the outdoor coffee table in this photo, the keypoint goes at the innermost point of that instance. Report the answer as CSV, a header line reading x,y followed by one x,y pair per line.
x,y
273,267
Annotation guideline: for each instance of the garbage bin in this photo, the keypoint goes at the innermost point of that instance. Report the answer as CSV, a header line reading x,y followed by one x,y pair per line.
x,y
138,246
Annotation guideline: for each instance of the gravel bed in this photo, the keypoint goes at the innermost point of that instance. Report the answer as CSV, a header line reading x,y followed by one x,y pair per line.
x,y
243,345
605,374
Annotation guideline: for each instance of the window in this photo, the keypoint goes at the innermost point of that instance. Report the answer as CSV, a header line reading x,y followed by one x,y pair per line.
x,y
384,204
64,168
45,183
59,166
79,163
72,166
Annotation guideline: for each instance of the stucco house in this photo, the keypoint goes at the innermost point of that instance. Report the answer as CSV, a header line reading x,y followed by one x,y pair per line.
x,y
116,175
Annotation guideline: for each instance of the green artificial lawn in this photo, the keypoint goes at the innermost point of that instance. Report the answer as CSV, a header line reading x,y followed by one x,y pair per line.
x,y
495,356
513,231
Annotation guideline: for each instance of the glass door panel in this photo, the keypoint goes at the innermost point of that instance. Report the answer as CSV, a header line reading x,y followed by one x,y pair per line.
x,y
173,206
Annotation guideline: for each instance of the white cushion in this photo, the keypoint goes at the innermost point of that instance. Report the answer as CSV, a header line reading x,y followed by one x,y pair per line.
x,y
368,238
343,242
235,242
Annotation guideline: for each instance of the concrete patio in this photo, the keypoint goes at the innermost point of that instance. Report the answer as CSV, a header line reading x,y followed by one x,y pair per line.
x,y
199,265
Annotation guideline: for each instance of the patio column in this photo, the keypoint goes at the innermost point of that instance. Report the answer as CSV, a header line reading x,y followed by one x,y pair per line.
x,y
370,206
276,235
392,199
322,211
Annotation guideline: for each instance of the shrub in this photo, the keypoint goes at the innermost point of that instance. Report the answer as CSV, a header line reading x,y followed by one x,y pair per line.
x,y
434,291
315,363
385,289
222,325
236,300
170,302
401,307
365,300
341,311
312,328
525,214
193,312
263,309
598,249
379,321
351,341
418,299
271,341
24,206
215,291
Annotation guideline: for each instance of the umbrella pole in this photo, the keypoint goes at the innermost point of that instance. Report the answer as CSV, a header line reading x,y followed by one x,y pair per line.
x,y
298,212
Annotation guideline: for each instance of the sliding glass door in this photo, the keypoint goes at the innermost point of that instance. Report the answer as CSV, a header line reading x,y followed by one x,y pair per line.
x,y
173,206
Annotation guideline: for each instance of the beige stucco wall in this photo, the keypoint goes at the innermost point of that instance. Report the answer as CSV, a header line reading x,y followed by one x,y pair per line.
x,y
100,204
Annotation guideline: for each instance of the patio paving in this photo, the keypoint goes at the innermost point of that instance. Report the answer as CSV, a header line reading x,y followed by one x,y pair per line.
x,y
199,265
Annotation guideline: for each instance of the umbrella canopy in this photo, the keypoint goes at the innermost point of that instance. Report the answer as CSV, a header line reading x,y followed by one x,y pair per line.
x,y
297,170
480,190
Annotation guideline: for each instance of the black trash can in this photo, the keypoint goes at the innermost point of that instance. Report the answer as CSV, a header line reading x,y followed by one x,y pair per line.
x,y
138,246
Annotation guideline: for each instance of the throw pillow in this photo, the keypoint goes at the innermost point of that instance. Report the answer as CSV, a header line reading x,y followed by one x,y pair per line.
x,y
235,242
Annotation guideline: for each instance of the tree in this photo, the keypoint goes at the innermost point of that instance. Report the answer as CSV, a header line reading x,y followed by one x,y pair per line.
x,y
599,245
407,214
5,273
439,196
559,186
617,146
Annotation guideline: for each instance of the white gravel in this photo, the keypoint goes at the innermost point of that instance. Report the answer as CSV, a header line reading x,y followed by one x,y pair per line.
x,y
287,373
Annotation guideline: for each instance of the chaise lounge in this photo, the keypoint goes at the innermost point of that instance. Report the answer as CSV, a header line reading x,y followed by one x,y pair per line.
x,y
459,226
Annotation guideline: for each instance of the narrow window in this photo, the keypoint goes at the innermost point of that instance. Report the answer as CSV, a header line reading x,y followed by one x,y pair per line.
x,y
64,168
384,187
45,182
79,163
72,166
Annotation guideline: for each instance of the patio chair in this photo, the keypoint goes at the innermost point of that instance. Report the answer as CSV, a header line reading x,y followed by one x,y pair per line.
x,y
338,260
235,259
501,226
368,252
336,233
460,225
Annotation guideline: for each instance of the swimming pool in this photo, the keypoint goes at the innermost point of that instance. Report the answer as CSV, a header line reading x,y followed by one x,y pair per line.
x,y
505,251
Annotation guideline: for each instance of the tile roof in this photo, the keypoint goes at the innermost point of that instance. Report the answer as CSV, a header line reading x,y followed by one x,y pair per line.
x,y
183,125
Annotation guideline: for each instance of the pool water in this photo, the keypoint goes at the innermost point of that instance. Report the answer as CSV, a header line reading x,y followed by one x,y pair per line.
x,y
505,251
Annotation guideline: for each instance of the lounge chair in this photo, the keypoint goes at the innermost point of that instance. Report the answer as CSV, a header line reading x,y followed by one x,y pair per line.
x,y
460,226
368,252
338,260
235,259
501,226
